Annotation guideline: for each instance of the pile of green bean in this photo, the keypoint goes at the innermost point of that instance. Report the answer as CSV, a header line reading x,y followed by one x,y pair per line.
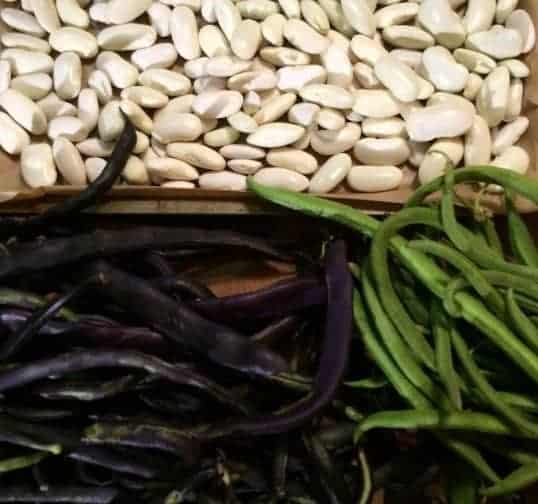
x,y
449,314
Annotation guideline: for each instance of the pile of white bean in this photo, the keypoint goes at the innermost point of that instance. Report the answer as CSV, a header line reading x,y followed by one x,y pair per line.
x,y
302,94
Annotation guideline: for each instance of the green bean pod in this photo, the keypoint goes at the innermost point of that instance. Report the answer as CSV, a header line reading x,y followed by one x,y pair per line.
x,y
492,237
448,216
16,463
520,479
521,241
523,324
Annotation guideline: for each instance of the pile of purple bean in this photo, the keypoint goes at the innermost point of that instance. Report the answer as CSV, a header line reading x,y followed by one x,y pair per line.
x,y
124,379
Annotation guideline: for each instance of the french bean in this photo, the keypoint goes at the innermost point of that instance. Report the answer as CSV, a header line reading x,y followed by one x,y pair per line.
x,y
522,324
521,478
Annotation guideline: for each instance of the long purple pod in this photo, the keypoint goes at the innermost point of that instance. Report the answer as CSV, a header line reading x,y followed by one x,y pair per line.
x,y
182,325
105,243
333,361
279,300
91,359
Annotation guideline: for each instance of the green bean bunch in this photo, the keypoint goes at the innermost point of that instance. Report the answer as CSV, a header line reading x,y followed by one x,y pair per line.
x,y
464,358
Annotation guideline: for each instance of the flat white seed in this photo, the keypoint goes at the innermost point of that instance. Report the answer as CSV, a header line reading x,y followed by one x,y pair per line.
x,y
95,147
24,111
228,17
184,30
52,107
145,96
398,13
157,56
137,115
24,41
46,14
366,76
217,104
408,37
384,128
514,159
410,57
25,62
291,8
226,66
98,13
315,16
282,178
517,68
295,78
371,179
515,101
100,83
166,81
121,12
246,39
71,128
213,42
251,103
159,17
197,155
127,37
196,68
509,134
142,143
442,22
331,119
302,36
206,84
179,105
367,50
275,108
69,162
37,166
94,168
71,13
338,66
119,72
111,122
435,162
167,168
453,100
293,159
243,123
359,16
492,100
208,11
327,95
329,143
520,21
171,128
275,135
336,16
242,151
398,78
331,174
382,151
442,70
257,9
498,42
67,75
13,139
74,40
304,142
273,29
88,109
304,114
504,9
438,121
479,15
22,21
223,181
135,172
376,103
472,88
34,86
475,61
259,80
244,166
284,56
178,184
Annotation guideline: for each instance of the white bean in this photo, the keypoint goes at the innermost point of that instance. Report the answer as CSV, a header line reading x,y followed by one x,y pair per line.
x,y
223,181
69,162
197,155
276,134
282,178
374,178
37,166
68,75
331,174
509,134
328,143
478,146
382,151
34,86
24,111
293,159
13,139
